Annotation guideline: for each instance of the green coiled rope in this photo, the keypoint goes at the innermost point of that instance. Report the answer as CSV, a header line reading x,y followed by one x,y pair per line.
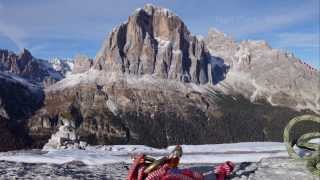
x,y
313,160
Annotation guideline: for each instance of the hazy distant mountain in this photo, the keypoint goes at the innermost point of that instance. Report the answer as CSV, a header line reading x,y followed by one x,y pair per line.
x,y
37,71
64,67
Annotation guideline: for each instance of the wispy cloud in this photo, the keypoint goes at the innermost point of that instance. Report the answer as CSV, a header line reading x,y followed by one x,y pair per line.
x,y
11,31
63,21
305,40
274,20
15,34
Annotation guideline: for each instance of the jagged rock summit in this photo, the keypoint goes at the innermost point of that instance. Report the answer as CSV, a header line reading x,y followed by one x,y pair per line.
x,y
36,71
155,41
82,63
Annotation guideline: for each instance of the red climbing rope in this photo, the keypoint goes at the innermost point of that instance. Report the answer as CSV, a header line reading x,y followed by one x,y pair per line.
x,y
136,171
146,168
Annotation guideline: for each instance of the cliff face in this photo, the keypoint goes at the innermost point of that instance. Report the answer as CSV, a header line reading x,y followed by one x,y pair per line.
x,y
82,64
124,110
155,41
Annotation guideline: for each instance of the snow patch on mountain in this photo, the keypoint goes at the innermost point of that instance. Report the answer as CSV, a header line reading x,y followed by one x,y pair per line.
x,y
75,79
148,8
64,67
162,44
94,76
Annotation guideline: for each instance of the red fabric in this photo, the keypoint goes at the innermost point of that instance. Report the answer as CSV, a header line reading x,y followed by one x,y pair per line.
x,y
223,170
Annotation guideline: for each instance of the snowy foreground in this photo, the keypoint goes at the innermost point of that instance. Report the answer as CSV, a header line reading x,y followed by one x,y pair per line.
x,y
255,161
98,155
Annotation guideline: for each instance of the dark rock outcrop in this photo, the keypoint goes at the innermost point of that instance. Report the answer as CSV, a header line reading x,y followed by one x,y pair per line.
x,y
18,101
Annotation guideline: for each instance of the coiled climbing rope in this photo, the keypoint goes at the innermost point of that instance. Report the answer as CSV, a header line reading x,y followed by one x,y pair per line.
x,y
303,142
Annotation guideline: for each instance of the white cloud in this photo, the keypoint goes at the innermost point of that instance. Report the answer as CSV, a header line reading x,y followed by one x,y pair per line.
x,y
15,34
38,48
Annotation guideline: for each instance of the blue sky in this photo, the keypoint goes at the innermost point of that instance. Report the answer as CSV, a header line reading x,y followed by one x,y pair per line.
x,y
63,28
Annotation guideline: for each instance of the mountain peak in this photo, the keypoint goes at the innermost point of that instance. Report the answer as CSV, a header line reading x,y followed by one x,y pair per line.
x,y
150,9
215,32
155,41
25,55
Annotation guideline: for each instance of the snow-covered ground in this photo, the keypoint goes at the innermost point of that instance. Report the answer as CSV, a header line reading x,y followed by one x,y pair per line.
x,y
98,155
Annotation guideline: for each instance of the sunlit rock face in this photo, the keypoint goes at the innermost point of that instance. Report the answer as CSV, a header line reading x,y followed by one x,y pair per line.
x,y
258,71
82,63
155,41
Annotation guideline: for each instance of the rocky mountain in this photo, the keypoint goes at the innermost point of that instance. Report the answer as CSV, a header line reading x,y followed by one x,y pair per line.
x,y
82,63
155,83
64,67
155,41
36,71
259,72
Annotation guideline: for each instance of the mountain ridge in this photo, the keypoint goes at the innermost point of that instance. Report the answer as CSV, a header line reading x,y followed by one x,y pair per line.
x,y
155,83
